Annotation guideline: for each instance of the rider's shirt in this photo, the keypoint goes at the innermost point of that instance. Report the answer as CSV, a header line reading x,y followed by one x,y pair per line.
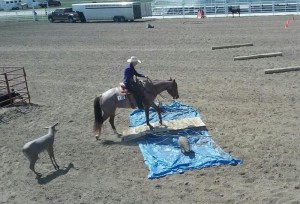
x,y
129,72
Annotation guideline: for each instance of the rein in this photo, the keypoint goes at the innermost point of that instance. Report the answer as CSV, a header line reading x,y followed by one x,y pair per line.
x,y
153,88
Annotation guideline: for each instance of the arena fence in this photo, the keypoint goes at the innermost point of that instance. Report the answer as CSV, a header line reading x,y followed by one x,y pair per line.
x,y
24,15
220,7
13,86
184,8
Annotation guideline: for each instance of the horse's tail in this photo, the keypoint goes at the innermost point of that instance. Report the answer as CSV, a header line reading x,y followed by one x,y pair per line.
x,y
98,115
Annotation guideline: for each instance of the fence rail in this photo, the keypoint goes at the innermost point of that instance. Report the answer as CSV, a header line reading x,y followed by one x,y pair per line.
x,y
213,7
185,8
24,15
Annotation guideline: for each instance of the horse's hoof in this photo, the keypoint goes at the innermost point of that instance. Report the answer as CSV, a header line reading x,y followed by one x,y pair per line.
x,y
118,134
97,137
38,175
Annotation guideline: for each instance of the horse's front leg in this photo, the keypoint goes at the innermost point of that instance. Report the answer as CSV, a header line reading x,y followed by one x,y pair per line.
x,y
158,112
147,118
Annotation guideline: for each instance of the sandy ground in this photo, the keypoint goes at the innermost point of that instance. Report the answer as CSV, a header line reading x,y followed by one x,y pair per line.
x,y
252,115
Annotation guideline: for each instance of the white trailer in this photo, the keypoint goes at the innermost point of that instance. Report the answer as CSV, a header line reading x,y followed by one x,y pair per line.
x,y
116,11
10,5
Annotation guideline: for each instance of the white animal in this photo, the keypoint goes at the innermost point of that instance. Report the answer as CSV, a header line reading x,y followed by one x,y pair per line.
x,y
33,148
184,144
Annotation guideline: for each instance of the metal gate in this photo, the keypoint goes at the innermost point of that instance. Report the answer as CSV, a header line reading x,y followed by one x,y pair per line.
x,y
13,86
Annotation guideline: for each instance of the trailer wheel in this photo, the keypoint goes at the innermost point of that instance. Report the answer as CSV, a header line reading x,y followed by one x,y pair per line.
x,y
122,19
50,19
71,20
115,18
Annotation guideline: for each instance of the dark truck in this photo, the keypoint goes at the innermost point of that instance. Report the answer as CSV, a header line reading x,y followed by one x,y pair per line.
x,y
66,14
50,3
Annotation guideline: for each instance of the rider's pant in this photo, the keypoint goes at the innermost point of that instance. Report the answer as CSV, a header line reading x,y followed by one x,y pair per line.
x,y
133,88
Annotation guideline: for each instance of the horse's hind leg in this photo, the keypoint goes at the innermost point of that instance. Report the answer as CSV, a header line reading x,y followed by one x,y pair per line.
x,y
32,164
104,118
112,123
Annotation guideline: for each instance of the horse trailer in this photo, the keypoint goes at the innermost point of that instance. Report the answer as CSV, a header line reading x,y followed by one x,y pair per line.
x,y
10,5
116,11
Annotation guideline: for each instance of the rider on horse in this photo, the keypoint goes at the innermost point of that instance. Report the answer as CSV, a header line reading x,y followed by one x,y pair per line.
x,y
129,82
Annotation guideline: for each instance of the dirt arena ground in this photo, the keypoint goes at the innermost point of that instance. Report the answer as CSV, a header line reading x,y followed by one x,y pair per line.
x,y
252,115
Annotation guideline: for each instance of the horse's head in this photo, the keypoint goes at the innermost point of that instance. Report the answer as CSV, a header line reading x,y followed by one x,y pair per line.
x,y
173,90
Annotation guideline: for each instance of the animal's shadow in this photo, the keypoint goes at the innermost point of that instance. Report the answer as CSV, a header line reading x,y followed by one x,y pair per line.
x,y
133,140
54,175
190,154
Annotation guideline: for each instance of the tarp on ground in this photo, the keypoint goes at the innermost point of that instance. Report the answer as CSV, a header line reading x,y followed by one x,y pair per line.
x,y
161,151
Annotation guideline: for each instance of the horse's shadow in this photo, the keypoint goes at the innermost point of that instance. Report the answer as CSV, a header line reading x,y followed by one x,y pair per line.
x,y
134,139
133,142
54,175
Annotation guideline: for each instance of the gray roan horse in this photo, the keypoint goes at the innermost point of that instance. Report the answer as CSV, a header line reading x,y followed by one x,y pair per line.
x,y
117,97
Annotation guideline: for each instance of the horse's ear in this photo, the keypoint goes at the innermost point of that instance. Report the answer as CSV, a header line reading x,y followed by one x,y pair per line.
x,y
170,78
173,80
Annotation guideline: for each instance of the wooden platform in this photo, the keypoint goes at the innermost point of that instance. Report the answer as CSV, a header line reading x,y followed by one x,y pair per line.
x,y
172,125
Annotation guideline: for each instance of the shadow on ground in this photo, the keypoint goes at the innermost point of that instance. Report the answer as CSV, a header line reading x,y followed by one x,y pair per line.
x,y
55,174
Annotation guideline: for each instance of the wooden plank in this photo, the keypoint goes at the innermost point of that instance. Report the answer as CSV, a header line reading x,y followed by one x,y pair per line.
x,y
258,56
284,69
172,125
231,46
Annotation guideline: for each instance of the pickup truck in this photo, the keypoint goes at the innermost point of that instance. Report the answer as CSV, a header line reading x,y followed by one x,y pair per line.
x,y
66,14
50,3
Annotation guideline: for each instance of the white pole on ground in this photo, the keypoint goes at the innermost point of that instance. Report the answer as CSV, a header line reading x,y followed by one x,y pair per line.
x,y
280,70
231,46
258,56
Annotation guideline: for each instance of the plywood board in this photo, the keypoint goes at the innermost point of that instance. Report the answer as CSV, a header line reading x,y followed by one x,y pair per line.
x,y
171,125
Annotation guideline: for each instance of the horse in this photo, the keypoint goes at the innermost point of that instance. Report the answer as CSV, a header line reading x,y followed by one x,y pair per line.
x,y
118,97
234,10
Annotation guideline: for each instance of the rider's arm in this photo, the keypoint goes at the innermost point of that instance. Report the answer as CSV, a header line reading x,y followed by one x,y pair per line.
x,y
138,74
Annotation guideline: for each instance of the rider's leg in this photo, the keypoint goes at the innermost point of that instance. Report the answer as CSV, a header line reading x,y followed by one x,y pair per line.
x,y
139,101
132,88
139,96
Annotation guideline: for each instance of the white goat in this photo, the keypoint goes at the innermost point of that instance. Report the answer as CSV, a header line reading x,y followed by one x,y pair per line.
x,y
33,148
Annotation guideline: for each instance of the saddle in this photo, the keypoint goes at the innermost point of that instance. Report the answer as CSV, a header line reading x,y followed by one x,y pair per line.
x,y
122,90
123,93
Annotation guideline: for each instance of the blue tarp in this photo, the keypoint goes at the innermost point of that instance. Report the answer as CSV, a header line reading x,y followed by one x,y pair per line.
x,y
174,111
162,153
